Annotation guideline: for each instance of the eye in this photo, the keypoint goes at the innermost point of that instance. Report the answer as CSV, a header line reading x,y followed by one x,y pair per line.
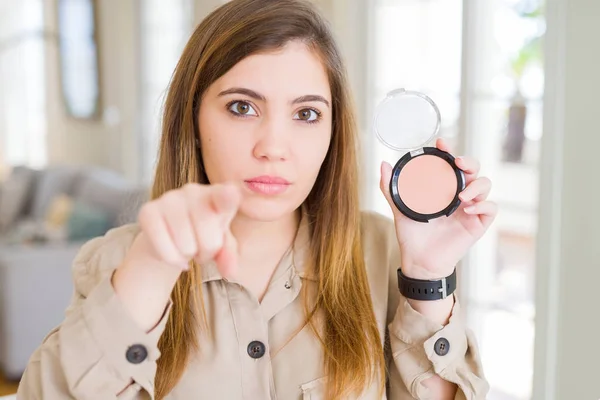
x,y
241,108
308,115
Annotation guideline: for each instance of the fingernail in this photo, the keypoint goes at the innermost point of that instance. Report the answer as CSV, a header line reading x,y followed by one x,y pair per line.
x,y
469,209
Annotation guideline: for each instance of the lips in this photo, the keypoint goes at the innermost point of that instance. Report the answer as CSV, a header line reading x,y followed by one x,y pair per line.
x,y
269,180
267,185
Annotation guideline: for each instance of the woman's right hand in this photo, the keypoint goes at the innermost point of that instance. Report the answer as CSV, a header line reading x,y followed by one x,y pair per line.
x,y
192,222
189,223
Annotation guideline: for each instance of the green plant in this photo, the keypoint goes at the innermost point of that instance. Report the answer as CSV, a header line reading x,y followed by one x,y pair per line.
x,y
531,52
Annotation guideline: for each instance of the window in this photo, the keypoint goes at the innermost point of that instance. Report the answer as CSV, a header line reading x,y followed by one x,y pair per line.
x,y
503,122
22,84
79,57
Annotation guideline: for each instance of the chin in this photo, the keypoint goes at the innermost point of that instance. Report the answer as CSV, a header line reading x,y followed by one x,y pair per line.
x,y
265,209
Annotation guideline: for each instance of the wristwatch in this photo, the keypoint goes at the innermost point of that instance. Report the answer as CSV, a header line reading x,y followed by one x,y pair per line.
x,y
418,289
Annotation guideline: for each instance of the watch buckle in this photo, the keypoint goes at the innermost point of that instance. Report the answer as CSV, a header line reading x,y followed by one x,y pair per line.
x,y
443,289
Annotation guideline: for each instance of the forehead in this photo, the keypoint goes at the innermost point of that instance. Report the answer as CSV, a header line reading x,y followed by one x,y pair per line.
x,y
291,71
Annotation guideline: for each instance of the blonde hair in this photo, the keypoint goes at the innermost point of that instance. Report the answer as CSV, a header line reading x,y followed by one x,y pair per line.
x,y
353,354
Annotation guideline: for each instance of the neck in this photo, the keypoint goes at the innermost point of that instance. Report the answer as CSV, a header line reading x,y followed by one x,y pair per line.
x,y
259,239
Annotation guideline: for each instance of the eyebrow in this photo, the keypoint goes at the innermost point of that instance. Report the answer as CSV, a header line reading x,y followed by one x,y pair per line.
x,y
258,96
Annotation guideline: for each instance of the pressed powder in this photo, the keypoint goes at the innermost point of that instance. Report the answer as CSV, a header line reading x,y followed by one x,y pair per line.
x,y
425,181
427,184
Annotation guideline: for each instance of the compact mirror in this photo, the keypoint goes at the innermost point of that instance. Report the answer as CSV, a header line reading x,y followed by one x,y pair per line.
x,y
426,181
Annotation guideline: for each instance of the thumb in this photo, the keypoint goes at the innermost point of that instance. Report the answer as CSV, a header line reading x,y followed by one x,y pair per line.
x,y
384,183
227,257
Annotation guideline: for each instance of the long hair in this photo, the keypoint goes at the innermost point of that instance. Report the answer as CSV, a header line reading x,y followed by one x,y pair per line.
x,y
353,354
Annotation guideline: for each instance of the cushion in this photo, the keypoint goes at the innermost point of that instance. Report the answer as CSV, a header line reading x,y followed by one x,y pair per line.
x,y
86,222
15,195
102,189
27,231
59,211
52,182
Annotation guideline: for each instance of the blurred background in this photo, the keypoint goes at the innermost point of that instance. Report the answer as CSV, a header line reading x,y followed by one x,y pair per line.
x,y
81,88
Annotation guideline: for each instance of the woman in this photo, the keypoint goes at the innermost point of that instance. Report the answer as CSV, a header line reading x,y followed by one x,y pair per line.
x,y
252,273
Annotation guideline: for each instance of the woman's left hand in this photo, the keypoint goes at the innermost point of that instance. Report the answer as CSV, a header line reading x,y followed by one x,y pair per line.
x,y
432,250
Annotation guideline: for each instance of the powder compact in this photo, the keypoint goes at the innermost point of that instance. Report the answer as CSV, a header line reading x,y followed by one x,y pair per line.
x,y
426,181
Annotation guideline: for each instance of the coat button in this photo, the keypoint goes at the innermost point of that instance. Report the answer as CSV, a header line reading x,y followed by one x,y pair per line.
x,y
136,354
441,346
256,349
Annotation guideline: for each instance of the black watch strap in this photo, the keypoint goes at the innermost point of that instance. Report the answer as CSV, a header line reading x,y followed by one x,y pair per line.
x,y
417,289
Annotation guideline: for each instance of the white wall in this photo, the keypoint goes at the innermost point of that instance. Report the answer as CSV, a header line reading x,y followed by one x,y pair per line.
x,y
203,7
568,273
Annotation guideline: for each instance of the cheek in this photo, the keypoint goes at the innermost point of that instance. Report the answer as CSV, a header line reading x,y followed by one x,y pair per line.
x,y
313,153
217,152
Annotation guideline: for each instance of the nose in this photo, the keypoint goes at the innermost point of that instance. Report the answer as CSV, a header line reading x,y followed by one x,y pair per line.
x,y
272,143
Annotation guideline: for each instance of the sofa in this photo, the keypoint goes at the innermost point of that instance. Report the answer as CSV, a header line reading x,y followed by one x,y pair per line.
x,y
46,215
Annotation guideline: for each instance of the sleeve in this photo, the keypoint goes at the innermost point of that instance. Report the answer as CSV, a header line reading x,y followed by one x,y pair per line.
x,y
98,351
421,348
417,348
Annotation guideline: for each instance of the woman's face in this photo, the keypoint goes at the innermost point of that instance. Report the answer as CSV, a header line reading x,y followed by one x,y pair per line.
x,y
266,126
